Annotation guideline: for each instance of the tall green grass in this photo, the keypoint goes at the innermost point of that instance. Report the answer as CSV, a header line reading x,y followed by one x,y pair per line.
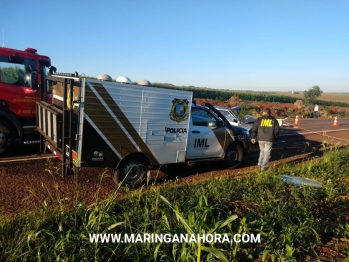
x,y
293,222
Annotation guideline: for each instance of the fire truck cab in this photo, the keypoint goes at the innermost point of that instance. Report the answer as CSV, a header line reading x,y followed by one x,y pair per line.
x,y
20,89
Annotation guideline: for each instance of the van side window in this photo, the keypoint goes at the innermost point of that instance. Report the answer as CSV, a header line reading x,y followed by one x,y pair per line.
x,y
202,117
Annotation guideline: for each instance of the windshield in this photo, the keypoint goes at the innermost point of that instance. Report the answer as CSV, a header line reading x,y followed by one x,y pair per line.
x,y
201,117
18,73
228,116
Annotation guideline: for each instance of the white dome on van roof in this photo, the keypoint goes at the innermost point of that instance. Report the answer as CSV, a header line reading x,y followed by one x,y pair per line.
x,y
104,77
144,83
123,79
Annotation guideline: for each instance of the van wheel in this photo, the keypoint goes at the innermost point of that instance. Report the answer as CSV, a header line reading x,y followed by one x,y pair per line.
x,y
131,172
233,156
6,139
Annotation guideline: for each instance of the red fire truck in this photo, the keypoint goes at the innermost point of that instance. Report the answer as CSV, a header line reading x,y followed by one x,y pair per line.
x,y
21,75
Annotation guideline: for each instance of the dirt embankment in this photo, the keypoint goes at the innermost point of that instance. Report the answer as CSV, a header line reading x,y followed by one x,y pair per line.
x,y
280,109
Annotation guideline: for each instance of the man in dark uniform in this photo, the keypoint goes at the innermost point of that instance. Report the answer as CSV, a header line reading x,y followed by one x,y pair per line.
x,y
266,130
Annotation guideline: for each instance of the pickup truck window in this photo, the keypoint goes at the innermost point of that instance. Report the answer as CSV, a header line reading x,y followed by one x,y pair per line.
x,y
228,116
202,117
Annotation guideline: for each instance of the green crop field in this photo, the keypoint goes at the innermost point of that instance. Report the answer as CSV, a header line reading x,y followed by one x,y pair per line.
x,y
326,99
337,97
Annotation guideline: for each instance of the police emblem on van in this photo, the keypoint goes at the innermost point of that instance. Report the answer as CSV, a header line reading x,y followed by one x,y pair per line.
x,y
179,111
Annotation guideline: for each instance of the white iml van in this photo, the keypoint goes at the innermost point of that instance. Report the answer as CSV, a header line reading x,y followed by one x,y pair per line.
x,y
132,128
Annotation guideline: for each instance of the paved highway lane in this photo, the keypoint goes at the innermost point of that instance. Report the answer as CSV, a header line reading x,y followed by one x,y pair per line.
x,y
307,126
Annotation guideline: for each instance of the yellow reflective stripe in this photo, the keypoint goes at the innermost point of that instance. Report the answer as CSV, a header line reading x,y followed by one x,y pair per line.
x,y
266,122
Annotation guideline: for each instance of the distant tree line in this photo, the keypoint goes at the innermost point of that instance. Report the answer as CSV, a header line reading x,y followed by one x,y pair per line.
x,y
225,95
259,97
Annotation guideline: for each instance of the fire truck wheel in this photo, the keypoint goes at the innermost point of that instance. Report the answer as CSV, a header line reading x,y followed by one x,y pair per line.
x,y
131,172
6,139
234,155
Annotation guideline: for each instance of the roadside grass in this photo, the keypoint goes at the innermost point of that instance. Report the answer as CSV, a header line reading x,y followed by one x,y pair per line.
x,y
294,223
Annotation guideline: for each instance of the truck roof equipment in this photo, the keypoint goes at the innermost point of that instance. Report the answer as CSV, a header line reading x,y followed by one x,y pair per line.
x,y
123,80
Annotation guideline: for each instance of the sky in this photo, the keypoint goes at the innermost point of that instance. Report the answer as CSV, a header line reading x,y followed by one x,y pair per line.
x,y
260,45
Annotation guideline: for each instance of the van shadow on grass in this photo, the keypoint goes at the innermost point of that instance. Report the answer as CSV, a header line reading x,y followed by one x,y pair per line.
x,y
288,149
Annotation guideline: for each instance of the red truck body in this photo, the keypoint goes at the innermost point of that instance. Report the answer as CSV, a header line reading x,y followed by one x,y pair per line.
x,y
20,89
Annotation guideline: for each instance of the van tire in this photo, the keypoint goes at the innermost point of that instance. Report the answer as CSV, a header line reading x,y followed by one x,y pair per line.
x,y
131,172
234,155
6,139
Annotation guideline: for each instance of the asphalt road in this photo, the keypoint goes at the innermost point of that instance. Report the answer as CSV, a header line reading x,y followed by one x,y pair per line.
x,y
308,126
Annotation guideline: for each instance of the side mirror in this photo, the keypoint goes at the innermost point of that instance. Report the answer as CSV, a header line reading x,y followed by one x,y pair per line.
x,y
212,125
52,70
